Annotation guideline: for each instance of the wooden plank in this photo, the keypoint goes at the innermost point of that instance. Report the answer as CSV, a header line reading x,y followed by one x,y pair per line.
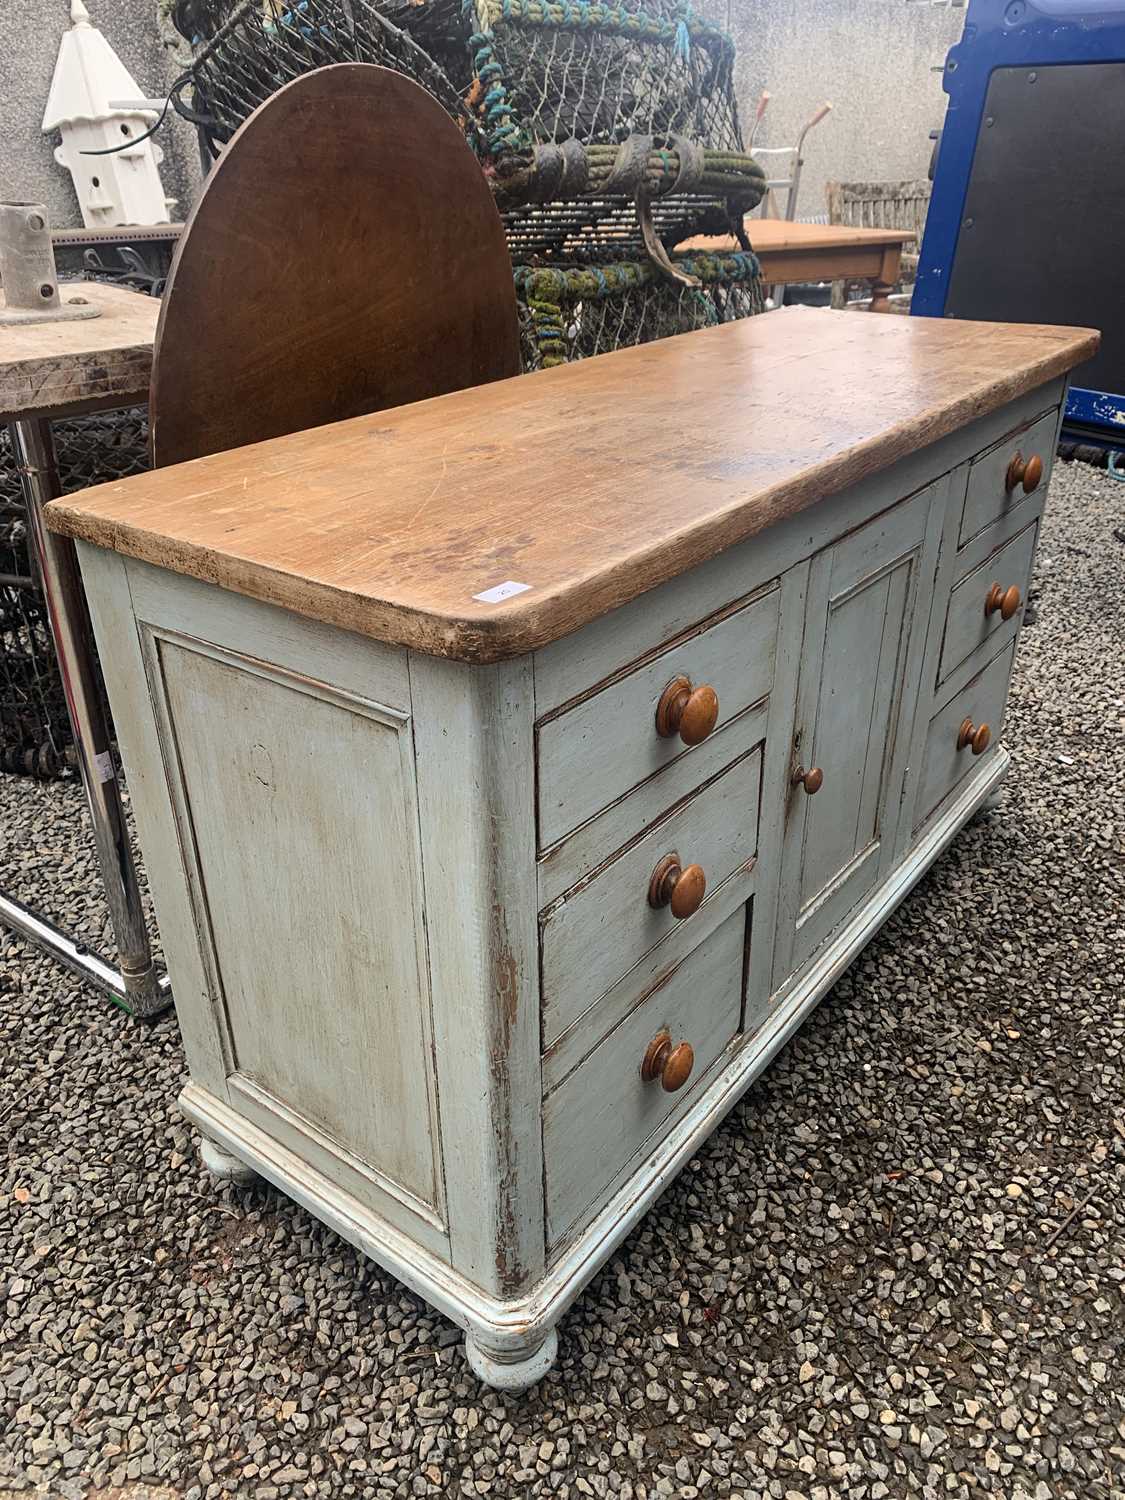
x,y
48,369
589,483
773,236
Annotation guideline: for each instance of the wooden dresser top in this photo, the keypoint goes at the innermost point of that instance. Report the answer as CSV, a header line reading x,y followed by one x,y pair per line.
x,y
590,483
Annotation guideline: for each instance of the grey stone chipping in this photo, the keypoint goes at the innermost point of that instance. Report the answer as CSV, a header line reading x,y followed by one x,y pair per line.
x,y
895,1270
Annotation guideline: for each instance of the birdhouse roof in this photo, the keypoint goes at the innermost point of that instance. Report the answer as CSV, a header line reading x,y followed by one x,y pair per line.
x,y
88,74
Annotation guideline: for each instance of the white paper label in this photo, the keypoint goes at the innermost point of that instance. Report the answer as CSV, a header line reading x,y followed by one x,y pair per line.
x,y
103,765
501,591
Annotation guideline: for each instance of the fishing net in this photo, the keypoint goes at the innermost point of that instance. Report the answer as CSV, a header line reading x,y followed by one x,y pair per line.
x,y
608,133
34,728
575,312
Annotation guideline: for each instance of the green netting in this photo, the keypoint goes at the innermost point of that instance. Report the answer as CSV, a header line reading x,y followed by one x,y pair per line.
x,y
608,133
517,75
573,313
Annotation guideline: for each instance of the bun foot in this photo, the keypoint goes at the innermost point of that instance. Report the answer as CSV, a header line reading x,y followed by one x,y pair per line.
x,y
992,802
503,1372
224,1167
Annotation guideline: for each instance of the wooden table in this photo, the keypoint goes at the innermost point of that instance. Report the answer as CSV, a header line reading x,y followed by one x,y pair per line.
x,y
60,369
517,769
57,369
820,252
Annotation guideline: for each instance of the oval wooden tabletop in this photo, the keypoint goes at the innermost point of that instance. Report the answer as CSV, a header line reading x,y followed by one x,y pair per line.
x,y
585,485
345,256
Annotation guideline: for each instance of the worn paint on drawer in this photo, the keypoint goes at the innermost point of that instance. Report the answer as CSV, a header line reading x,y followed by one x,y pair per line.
x,y
983,700
987,497
600,930
603,1112
599,750
967,627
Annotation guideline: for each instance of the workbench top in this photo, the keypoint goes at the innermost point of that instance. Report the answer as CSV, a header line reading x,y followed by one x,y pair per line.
x,y
55,369
590,483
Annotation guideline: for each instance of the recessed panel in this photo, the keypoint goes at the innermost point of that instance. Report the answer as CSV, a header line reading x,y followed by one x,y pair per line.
x,y
301,811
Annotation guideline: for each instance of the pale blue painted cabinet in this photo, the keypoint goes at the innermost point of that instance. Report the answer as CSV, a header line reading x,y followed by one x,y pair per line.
x,y
476,934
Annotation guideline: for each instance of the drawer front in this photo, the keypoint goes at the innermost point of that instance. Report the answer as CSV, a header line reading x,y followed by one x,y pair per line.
x,y
982,701
605,926
588,848
599,750
977,611
604,1111
988,497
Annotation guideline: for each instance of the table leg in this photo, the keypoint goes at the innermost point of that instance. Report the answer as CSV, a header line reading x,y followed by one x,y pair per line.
x,y
137,984
880,296
884,284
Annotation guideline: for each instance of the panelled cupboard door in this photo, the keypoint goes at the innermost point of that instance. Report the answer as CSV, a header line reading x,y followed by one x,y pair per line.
x,y
867,606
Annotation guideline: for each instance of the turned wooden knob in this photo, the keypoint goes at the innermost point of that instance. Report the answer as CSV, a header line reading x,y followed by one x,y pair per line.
x,y
1025,471
682,890
979,737
671,1064
1007,601
690,712
812,781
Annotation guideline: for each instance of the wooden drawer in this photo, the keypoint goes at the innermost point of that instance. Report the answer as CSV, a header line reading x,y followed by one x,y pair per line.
x,y
988,498
944,765
604,926
596,752
969,621
603,1112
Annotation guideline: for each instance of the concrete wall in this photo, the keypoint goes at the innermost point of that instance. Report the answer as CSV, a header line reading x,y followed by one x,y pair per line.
x,y
871,58
29,43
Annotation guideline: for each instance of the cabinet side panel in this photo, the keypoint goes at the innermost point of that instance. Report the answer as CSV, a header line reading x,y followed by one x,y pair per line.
x,y
300,805
475,757
106,576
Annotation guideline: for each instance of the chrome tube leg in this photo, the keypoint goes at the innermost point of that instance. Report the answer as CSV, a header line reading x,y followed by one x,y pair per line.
x,y
70,629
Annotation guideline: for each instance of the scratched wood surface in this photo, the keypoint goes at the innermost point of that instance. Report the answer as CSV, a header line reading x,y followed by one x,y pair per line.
x,y
49,369
771,236
589,483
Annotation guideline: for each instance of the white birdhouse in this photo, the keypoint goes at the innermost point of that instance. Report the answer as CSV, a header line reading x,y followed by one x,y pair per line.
x,y
123,188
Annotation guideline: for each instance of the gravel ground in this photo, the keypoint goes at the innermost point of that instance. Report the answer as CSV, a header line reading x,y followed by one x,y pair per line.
x,y
896,1270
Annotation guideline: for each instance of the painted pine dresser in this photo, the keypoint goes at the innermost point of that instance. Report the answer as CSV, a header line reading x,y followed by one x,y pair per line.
x,y
516,770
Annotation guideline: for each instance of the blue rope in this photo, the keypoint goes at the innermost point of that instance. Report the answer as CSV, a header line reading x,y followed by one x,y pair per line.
x,y
682,44
1113,464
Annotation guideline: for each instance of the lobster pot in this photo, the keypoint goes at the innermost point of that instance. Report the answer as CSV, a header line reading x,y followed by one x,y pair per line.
x,y
245,50
34,727
569,313
608,134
